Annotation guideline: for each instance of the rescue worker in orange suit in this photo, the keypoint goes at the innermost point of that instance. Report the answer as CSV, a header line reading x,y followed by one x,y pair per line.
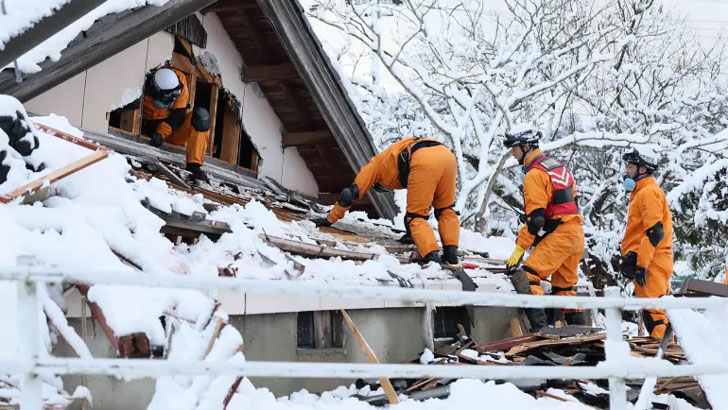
x,y
428,170
647,242
165,117
552,226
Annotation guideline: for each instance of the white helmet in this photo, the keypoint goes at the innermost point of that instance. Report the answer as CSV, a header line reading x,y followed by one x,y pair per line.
x,y
166,79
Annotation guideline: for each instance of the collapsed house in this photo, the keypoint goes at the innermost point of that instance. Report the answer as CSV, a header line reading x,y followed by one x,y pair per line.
x,y
285,140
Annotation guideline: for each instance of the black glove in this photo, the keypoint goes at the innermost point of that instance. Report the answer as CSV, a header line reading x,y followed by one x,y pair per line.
x,y
640,275
157,140
629,264
406,239
321,222
523,218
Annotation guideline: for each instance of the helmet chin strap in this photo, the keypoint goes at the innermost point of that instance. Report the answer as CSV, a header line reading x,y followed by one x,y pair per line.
x,y
523,157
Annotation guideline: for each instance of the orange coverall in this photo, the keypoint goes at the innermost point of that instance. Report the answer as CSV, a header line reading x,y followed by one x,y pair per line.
x,y
431,182
558,254
184,133
647,207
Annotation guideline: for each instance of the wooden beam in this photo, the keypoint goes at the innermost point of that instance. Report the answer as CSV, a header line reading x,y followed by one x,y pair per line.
x,y
295,139
99,46
46,27
371,358
249,27
230,5
273,72
301,109
54,176
214,95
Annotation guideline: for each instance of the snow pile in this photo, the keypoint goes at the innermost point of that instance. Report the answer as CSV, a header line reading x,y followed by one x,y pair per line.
x,y
702,336
463,393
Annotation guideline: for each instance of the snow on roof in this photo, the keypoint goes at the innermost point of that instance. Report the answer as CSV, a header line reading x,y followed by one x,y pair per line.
x,y
22,14
96,220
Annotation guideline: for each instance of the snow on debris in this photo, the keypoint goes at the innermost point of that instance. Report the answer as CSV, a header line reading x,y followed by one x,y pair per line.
x,y
702,336
22,14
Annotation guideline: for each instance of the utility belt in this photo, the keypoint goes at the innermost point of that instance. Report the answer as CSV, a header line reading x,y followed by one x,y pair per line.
x,y
403,159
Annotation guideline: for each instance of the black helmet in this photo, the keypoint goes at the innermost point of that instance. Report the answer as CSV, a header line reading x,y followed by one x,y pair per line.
x,y
643,160
529,136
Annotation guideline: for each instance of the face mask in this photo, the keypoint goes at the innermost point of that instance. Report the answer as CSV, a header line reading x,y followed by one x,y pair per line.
x,y
160,104
629,182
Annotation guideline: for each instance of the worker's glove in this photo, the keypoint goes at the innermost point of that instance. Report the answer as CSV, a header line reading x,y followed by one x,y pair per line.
x,y
523,218
406,239
629,264
321,222
515,258
640,275
157,140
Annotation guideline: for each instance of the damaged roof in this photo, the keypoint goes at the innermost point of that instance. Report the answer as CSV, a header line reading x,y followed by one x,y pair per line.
x,y
280,53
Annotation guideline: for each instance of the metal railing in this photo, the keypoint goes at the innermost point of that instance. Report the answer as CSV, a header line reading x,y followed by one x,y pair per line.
x,y
617,367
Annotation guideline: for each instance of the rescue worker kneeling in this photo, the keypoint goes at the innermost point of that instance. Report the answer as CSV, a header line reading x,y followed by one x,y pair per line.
x,y
165,117
552,226
647,242
428,170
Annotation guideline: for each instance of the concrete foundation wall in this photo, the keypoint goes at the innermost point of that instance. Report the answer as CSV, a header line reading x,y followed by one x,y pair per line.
x,y
396,335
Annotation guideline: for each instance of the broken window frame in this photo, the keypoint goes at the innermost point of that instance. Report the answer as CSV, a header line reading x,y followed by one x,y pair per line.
x,y
222,105
446,319
322,329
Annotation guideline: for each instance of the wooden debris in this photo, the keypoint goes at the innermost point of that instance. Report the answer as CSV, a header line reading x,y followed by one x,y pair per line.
x,y
135,345
522,348
371,358
308,249
516,330
505,344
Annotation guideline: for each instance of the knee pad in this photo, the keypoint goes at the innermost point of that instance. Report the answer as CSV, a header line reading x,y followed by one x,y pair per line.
x,y
201,119
349,195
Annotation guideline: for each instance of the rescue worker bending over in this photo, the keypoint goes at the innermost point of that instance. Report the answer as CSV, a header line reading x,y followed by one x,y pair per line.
x,y
552,227
165,117
647,242
428,170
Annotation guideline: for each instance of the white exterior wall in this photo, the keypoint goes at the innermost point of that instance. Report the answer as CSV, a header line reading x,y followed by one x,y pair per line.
x,y
87,98
259,119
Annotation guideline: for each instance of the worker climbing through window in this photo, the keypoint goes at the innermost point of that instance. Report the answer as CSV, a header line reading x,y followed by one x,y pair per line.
x,y
165,118
647,242
551,224
428,170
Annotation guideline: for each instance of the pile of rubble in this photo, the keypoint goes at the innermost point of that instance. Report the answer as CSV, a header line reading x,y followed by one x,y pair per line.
x,y
565,346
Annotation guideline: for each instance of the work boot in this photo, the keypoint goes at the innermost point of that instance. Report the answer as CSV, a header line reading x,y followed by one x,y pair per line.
x,y
197,173
575,318
537,319
521,283
433,256
450,254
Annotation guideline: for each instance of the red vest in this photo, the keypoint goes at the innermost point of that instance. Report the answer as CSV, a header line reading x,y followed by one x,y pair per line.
x,y
562,182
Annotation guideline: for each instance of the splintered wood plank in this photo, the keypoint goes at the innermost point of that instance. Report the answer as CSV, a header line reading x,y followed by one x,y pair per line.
x,y
54,176
371,358
561,342
313,250
505,344
347,236
516,330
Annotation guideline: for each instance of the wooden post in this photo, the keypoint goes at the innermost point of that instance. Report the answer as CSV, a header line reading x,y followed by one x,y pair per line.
x,y
516,330
371,358
213,116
